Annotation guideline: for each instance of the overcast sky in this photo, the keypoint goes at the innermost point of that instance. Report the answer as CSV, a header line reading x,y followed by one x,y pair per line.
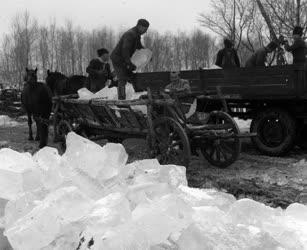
x,y
120,14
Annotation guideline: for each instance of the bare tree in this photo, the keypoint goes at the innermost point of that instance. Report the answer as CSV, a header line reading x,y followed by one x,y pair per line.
x,y
24,35
80,42
44,48
69,49
285,14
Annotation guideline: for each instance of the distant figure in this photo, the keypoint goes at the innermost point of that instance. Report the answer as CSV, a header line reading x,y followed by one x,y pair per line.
x,y
121,55
260,56
36,99
99,71
227,57
298,48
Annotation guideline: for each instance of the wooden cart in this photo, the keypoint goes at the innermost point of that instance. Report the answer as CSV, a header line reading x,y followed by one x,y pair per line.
x,y
169,134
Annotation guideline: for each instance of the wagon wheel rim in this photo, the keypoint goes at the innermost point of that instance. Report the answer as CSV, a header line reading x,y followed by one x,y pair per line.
x,y
171,144
223,146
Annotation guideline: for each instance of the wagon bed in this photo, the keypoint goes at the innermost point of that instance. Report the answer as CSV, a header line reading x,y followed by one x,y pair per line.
x,y
170,136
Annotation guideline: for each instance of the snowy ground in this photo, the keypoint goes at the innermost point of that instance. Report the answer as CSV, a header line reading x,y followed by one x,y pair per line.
x,y
6,121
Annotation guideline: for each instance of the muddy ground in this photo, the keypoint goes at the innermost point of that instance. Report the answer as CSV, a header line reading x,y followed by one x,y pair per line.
x,y
272,180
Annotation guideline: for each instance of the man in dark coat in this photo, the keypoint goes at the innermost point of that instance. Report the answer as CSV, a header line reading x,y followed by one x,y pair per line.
x,y
227,57
298,48
121,55
259,58
99,71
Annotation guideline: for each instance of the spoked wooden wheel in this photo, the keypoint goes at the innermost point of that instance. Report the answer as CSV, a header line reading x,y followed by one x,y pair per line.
x,y
222,146
170,143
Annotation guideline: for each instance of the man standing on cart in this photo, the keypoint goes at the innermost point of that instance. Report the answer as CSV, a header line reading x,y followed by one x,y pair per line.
x,y
227,57
259,58
99,71
121,55
298,48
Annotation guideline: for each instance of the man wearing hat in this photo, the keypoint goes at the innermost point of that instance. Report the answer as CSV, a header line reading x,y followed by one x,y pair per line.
x,y
298,48
99,71
258,59
227,57
121,55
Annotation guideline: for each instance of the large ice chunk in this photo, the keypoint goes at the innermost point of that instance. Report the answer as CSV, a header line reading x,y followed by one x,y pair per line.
x,y
96,161
4,243
111,93
126,236
224,236
18,173
162,217
143,193
151,171
49,160
141,58
297,211
109,211
250,212
206,197
3,203
85,94
43,224
173,175
107,93
23,204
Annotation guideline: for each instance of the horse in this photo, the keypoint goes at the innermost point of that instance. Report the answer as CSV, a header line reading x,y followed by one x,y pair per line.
x,y
63,85
36,99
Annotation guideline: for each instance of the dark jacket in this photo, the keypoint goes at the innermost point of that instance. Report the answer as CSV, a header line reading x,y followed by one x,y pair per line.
x,y
257,59
127,45
298,50
99,72
227,58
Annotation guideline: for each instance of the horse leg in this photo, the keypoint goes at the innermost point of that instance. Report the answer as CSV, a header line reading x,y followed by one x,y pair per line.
x,y
37,137
30,126
43,134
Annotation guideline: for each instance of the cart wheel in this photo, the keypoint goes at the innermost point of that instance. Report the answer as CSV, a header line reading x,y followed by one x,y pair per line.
x,y
63,128
276,130
301,137
170,143
222,152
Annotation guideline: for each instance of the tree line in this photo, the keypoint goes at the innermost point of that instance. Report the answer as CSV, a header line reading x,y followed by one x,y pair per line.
x,y
69,49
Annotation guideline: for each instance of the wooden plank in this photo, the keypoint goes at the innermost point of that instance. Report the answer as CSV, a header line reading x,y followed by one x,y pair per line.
x,y
124,113
134,118
126,103
123,120
102,115
112,116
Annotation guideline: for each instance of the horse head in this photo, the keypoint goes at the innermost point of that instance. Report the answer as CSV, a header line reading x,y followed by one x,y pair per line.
x,y
54,80
31,75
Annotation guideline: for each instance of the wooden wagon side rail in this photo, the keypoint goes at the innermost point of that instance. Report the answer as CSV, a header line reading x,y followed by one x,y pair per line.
x,y
132,102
